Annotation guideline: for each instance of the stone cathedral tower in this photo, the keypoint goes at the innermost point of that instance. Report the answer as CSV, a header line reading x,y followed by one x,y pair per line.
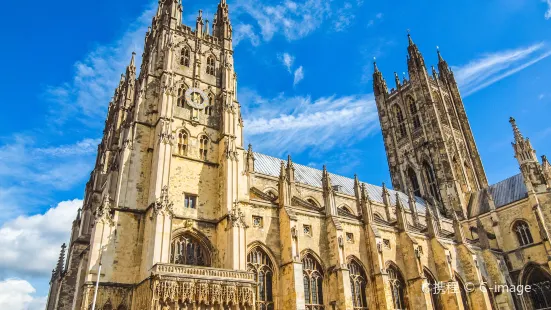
x,y
428,140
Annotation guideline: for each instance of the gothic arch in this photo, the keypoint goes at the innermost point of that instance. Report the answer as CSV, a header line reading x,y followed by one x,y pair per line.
x,y
346,209
413,181
358,282
465,298
266,274
306,252
350,258
187,248
435,295
538,278
398,285
272,192
312,201
198,235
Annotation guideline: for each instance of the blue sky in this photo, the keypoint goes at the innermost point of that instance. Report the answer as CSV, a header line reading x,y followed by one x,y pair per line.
x,y
304,73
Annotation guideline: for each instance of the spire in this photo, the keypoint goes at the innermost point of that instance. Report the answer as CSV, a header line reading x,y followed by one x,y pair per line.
x,y
199,24
379,83
222,24
516,131
397,80
367,212
433,225
357,186
386,201
410,40
415,59
413,207
440,59
250,159
282,171
61,260
290,169
131,69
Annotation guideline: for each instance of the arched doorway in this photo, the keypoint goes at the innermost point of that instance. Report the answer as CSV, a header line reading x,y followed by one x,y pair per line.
x,y
539,280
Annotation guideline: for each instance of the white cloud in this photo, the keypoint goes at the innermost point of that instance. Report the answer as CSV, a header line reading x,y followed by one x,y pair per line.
x,y
300,123
548,13
293,20
491,68
87,95
299,75
287,60
30,245
245,31
18,294
541,96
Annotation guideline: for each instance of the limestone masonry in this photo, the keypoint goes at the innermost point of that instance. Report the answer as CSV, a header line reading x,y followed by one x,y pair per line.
x,y
178,214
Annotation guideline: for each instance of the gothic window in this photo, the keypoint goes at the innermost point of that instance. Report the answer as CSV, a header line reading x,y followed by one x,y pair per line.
x,y
522,230
182,142
184,57
210,106
107,306
313,283
260,264
464,295
346,210
400,124
312,202
211,65
431,179
358,282
397,286
414,113
181,96
187,250
414,182
540,284
203,147
435,294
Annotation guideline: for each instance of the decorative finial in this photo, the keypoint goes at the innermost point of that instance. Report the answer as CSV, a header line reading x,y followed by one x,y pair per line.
x,y
516,131
375,64
409,38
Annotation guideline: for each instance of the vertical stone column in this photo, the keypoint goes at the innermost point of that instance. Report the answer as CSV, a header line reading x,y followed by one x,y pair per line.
x,y
291,279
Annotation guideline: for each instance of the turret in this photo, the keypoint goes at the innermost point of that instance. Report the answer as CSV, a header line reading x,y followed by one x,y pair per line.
x,y
199,23
443,68
328,193
379,83
222,25
61,260
290,170
250,159
401,214
416,62
532,171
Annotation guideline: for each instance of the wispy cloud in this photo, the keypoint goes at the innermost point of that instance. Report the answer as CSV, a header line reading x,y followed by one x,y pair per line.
x,y
29,172
491,68
299,75
293,20
287,60
548,13
86,95
378,17
299,123
245,32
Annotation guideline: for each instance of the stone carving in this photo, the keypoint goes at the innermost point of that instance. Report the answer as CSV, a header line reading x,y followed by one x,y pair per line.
x,y
163,206
104,213
166,135
236,217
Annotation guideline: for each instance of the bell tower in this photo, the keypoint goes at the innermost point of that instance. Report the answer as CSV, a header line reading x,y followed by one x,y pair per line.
x,y
427,136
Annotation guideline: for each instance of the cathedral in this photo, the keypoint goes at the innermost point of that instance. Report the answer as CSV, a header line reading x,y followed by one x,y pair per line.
x,y
180,214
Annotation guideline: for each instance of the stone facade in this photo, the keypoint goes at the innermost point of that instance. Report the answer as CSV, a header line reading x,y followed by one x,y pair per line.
x,y
179,215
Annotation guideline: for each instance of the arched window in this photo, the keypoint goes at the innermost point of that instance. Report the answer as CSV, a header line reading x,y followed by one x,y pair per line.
x,y
522,230
203,147
463,291
540,284
414,113
397,286
272,194
414,182
187,250
431,180
434,293
182,142
358,282
181,96
313,283
260,264
211,65
184,57
400,124
346,209
209,108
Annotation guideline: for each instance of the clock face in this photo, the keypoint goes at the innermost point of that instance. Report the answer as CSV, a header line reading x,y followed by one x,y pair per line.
x,y
197,98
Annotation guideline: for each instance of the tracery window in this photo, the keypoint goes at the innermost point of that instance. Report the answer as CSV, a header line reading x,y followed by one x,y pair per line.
x,y
211,65
259,263
431,179
184,57
540,284
358,282
313,283
401,126
182,142
414,182
187,250
181,96
397,286
414,113
522,231
203,147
